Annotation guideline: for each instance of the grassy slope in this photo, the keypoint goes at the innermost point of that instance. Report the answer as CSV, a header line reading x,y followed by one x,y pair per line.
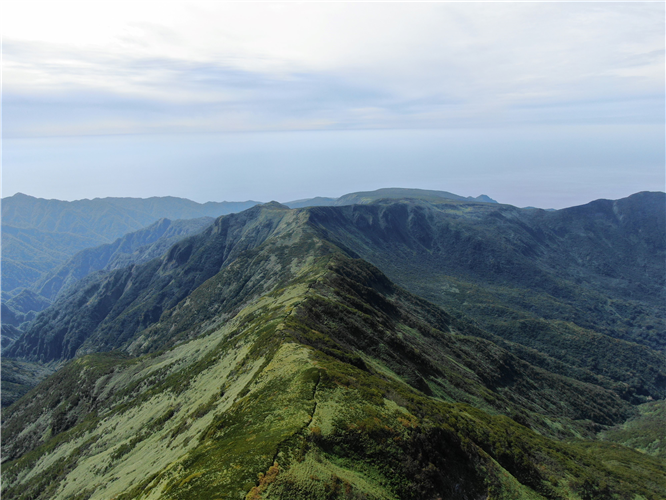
x,y
103,313
410,241
281,402
298,355
600,265
645,432
539,280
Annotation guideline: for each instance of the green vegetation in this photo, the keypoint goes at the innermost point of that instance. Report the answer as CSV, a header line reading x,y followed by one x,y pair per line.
x,y
260,360
645,432
133,248
39,235
298,412
110,310
18,377
537,279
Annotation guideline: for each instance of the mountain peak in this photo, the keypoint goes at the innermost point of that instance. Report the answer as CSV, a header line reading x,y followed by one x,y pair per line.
x,y
274,205
483,198
365,197
21,195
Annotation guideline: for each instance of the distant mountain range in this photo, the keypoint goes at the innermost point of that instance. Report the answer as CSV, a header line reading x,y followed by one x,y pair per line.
x,y
38,234
48,244
133,248
108,218
365,197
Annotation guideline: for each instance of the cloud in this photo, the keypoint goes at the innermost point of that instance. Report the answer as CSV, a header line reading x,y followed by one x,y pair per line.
x,y
116,68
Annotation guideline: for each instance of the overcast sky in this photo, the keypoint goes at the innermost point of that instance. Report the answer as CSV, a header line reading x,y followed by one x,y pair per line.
x,y
546,104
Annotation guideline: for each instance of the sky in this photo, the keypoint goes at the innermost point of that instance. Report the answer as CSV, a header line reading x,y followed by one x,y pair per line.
x,y
532,103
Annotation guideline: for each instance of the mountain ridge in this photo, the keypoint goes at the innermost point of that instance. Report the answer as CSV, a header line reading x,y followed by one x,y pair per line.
x,y
118,307
385,193
315,383
299,354
136,247
40,234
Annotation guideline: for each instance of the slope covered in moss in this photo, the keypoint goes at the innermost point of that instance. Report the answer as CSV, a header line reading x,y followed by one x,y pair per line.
x,y
335,384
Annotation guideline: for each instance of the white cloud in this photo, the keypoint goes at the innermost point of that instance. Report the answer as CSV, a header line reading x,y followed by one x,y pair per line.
x,y
345,65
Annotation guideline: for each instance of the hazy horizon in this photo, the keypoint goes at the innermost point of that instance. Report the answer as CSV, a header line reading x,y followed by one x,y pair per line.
x,y
467,163
532,104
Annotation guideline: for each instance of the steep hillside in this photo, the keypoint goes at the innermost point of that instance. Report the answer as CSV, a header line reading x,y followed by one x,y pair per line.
x,y
317,388
18,377
263,358
105,311
27,253
112,310
645,431
133,248
9,334
25,303
600,266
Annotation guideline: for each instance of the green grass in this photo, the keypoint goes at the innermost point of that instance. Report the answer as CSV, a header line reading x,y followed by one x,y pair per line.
x,y
331,382
646,432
